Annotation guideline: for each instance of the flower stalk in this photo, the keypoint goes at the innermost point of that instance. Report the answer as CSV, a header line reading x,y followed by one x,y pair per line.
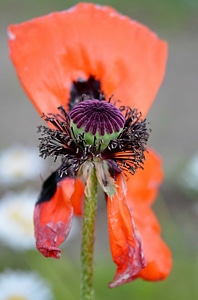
x,y
88,230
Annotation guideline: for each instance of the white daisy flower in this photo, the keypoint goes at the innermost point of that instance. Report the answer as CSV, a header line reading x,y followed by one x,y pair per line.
x,y
21,285
19,164
190,174
16,219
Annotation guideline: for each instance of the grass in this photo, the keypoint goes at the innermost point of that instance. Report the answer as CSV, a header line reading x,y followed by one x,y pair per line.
x,y
64,279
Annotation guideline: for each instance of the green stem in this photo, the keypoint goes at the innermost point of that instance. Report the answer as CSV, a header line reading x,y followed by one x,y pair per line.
x,y
87,246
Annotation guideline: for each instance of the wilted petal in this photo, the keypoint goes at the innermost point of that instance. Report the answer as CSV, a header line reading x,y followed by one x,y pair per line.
x,y
104,178
125,241
158,257
53,219
157,254
142,189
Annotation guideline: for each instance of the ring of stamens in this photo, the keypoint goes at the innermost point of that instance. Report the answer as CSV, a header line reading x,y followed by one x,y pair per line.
x,y
125,152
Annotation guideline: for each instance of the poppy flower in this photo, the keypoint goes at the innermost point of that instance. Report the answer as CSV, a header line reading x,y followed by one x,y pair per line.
x,y
70,64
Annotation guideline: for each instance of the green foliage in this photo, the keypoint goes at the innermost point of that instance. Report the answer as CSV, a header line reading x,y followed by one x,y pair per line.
x,y
166,15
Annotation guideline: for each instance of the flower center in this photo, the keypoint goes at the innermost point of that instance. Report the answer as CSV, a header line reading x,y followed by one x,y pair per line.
x,y
95,131
16,298
98,120
25,223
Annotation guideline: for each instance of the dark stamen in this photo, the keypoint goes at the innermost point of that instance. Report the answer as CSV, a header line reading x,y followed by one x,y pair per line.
x,y
123,152
128,149
90,87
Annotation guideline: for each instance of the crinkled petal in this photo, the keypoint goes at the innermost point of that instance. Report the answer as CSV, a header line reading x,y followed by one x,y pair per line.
x,y
157,254
53,219
125,241
142,188
51,52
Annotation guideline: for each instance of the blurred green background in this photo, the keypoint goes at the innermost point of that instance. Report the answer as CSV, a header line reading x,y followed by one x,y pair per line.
x,y
173,119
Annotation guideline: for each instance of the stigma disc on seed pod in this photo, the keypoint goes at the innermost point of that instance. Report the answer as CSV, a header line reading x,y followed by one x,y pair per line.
x,y
98,120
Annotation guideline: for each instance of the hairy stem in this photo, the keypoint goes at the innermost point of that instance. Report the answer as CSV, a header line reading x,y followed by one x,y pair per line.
x,y
88,230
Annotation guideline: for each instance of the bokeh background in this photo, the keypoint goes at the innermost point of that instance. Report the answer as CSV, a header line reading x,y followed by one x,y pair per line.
x,y
173,119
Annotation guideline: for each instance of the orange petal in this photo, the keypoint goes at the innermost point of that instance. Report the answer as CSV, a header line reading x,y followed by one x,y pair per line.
x,y
158,257
51,52
125,241
142,188
157,254
77,197
53,218
143,217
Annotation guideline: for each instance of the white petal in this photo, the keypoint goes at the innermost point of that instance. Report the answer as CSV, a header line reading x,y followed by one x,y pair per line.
x,y
19,164
16,219
189,176
23,285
